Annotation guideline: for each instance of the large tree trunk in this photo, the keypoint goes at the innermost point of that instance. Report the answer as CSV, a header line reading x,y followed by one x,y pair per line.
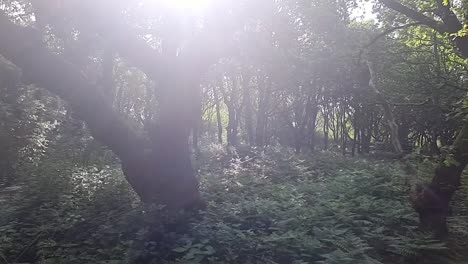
x,y
165,175
432,201
160,172
169,177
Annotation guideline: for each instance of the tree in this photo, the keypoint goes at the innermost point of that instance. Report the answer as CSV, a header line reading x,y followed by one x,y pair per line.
x,y
432,202
158,165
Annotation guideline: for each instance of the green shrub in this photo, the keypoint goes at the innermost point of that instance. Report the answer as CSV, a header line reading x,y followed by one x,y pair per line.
x,y
272,207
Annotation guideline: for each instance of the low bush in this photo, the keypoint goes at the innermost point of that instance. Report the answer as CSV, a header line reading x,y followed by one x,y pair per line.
x,y
263,207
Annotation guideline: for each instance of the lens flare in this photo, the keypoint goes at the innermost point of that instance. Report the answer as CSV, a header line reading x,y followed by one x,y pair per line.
x,y
189,5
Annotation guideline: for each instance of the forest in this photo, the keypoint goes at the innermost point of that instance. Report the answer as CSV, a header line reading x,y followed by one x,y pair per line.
x,y
233,131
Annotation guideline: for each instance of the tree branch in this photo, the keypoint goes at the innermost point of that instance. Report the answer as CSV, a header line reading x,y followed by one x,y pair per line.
x,y
414,15
23,47
109,23
451,22
448,16
412,104
388,31
381,35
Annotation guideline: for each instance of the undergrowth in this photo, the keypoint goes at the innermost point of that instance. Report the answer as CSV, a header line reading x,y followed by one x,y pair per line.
x,y
263,207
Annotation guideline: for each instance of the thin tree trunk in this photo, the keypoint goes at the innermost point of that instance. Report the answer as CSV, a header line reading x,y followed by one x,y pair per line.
x,y
356,132
197,121
325,127
302,115
262,113
366,140
233,112
312,125
196,136
232,127
344,133
218,116
334,126
389,117
248,111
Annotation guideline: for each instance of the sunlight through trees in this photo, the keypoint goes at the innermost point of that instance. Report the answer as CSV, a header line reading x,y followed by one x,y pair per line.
x,y
222,131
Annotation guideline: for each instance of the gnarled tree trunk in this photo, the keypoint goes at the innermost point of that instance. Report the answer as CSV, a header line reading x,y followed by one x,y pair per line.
x,y
160,172
432,202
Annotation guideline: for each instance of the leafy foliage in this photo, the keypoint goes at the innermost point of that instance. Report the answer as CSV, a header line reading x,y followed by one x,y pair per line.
x,y
275,208
271,73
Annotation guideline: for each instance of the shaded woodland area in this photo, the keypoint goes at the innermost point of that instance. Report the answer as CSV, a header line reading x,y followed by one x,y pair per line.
x,y
251,131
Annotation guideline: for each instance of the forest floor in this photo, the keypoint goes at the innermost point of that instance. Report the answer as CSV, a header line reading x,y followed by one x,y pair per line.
x,y
273,207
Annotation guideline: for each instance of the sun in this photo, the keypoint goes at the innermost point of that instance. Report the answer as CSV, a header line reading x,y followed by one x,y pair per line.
x,y
188,5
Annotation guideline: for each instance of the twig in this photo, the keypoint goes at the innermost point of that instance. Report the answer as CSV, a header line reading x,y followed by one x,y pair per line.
x,y
29,246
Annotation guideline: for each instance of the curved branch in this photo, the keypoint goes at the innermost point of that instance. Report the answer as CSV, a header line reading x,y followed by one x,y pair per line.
x,y
383,34
24,48
414,15
451,23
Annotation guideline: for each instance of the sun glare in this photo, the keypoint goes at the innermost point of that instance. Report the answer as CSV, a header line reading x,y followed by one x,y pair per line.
x,y
189,5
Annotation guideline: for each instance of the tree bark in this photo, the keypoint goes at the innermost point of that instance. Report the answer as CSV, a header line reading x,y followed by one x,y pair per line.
x,y
231,101
248,111
197,118
218,116
232,127
264,101
325,126
313,124
432,202
356,118
389,117
344,132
